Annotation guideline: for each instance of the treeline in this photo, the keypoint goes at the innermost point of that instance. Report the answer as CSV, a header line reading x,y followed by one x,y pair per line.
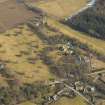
x,y
16,94
90,21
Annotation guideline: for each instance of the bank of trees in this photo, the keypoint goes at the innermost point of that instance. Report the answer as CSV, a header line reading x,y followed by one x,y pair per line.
x,y
90,22
14,94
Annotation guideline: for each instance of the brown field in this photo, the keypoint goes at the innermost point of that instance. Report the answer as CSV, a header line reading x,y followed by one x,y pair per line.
x,y
12,14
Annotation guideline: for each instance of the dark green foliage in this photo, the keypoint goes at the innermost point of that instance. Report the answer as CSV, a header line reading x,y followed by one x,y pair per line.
x,y
89,21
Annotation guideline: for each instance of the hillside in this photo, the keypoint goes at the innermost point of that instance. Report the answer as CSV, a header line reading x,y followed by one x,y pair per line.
x,y
65,8
93,43
45,62
90,20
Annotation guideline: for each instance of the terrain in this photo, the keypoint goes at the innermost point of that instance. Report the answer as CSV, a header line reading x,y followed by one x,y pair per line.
x,y
64,8
90,20
13,14
30,54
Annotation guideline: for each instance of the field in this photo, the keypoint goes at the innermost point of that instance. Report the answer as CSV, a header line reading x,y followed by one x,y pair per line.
x,y
13,14
67,101
93,43
19,51
61,102
27,103
24,51
60,8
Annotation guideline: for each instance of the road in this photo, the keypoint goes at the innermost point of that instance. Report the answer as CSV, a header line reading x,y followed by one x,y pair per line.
x,y
97,72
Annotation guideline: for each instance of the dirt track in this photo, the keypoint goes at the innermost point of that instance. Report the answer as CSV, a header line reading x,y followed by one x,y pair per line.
x,y
13,13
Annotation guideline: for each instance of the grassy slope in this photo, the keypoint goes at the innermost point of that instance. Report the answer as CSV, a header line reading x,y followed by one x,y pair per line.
x,y
67,101
60,8
93,43
12,45
27,103
17,49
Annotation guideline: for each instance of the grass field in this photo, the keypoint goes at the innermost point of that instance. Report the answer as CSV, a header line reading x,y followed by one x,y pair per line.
x,y
19,49
62,101
60,8
67,101
27,103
